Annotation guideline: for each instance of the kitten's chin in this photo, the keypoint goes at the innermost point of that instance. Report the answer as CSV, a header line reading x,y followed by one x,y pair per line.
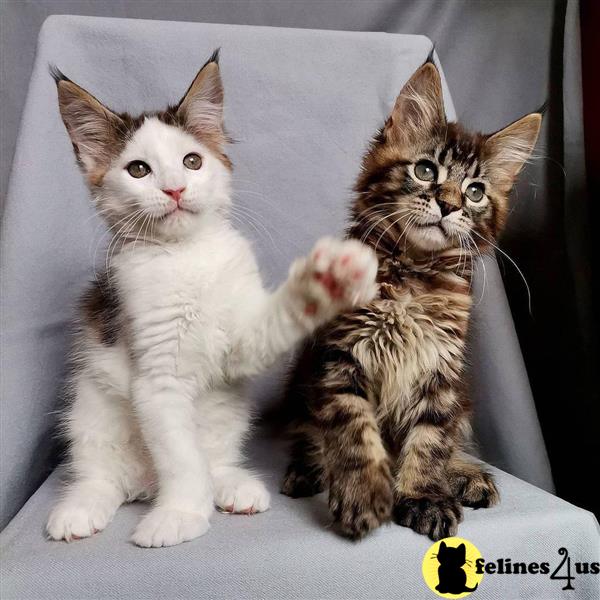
x,y
178,225
428,239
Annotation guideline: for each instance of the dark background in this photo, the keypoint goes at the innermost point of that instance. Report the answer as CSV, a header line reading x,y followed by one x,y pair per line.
x,y
502,59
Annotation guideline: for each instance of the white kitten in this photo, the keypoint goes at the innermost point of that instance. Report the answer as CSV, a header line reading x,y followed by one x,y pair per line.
x,y
176,323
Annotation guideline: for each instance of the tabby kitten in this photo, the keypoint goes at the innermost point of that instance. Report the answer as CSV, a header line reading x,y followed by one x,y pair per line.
x,y
382,414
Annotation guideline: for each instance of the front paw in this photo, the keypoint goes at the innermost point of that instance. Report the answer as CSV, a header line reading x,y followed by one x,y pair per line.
x,y
361,500
169,527
435,517
241,494
479,491
71,521
335,276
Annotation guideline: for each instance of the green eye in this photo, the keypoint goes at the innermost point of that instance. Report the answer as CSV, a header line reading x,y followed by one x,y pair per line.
x,y
475,192
138,169
425,170
192,161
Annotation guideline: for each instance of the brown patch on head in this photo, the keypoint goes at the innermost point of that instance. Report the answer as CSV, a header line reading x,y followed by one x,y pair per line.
x,y
99,134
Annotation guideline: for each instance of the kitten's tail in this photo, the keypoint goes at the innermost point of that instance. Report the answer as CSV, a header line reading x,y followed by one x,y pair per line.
x,y
467,589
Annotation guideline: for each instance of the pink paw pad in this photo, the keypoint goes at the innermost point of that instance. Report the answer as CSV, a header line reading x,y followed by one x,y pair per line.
x,y
331,284
311,309
78,537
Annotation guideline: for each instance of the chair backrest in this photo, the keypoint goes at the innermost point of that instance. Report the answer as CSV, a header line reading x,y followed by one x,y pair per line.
x,y
302,105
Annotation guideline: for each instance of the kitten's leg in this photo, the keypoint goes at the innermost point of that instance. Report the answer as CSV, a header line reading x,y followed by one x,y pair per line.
x,y
104,466
304,476
223,422
239,490
355,459
185,499
424,500
471,483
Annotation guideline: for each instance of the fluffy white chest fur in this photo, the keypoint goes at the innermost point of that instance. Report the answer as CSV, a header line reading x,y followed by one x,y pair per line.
x,y
188,302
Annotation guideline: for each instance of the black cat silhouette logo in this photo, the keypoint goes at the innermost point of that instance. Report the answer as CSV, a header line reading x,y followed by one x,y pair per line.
x,y
449,568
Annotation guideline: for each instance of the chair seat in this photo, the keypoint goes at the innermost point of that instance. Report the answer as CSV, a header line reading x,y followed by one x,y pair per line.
x,y
290,551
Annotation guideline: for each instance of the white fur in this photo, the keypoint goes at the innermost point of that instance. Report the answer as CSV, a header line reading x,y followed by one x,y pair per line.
x,y
159,415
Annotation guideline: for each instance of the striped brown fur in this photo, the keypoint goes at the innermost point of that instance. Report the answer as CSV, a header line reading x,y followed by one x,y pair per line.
x,y
382,413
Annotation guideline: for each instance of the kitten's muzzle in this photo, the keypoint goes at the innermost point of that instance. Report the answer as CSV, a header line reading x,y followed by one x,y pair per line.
x,y
449,197
175,194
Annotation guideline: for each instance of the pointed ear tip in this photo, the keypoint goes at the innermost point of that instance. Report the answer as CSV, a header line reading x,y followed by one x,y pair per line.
x,y
213,62
534,117
429,68
427,72
538,118
57,74
430,56
533,121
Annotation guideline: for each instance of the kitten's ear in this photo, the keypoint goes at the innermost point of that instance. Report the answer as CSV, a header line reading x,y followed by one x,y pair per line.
x,y
507,150
419,108
443,546
462,550
93,128
202,105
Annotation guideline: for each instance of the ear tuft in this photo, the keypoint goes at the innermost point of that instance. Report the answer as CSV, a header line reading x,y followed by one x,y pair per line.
x,y
543,109
57,74
430,56
214,57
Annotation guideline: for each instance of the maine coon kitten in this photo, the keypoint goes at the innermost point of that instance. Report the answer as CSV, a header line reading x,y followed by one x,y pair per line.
x,y
179,320
382,412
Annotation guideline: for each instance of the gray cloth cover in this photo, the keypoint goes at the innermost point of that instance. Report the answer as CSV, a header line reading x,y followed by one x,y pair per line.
x,y
302,105
502,58
291,552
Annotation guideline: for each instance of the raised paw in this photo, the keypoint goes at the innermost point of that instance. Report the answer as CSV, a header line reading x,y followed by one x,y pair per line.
x,y
336,275
361,500
241,493
169,527
435,517
71,520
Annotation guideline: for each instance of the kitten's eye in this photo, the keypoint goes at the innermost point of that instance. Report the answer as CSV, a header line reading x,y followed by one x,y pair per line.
x,y
192,161
138,169
475,192
425,170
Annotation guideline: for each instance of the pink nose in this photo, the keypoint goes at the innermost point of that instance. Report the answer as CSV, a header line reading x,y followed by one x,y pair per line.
x,y
175,194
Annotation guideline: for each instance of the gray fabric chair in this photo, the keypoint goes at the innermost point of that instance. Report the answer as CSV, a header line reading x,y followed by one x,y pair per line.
x,y
302,105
